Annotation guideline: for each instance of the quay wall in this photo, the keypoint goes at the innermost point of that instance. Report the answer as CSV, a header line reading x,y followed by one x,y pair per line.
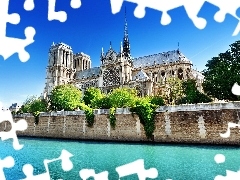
x,y
192,123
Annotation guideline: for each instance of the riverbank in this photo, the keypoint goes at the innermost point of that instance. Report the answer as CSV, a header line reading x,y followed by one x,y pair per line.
x,y
191,124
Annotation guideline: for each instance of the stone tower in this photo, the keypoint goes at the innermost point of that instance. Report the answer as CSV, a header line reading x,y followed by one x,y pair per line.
x,y
81,61
60,68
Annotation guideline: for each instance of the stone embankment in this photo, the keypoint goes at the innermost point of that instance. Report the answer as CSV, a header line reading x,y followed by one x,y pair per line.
x,y
193,123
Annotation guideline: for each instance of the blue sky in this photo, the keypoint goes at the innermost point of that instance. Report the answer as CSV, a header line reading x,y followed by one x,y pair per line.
x,y
93,26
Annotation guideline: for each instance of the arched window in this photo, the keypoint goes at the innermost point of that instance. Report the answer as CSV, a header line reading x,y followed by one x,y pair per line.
x,y
162,73
180,73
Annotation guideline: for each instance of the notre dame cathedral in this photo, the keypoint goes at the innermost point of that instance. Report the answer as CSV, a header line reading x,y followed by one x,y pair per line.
x,y
148,74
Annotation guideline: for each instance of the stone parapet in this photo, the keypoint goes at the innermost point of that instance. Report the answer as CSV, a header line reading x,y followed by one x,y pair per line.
x,y
194,123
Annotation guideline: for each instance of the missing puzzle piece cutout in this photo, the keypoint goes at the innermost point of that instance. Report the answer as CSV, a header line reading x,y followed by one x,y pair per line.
x,y
60,15
10,45
7,162
230,175
137,167
87,173
66,166
192,9
20,125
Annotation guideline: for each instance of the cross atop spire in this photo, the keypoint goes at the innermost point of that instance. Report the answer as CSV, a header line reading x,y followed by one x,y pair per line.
x,y
125,26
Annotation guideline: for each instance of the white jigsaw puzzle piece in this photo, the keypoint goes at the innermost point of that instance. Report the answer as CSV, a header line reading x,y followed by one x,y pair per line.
x,y
137,167
87,173
20,125
236,89
230,175
192,9
7,162
227,7
66,166
227,133
60,15
9,45
29,5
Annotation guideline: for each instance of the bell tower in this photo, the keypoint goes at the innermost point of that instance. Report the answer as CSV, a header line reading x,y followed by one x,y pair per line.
x,y
60,68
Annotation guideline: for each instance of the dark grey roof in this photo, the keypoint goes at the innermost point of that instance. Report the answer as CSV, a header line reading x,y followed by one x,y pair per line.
x,y
93,72
160,58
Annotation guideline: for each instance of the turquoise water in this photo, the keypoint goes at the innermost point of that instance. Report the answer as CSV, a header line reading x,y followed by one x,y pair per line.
x,y
176,162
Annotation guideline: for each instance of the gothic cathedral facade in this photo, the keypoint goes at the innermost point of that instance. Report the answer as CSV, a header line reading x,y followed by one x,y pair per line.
x,y
148,74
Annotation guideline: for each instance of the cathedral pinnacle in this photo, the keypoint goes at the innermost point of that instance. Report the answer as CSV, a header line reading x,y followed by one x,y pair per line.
x,y
121,48
102,53
110,45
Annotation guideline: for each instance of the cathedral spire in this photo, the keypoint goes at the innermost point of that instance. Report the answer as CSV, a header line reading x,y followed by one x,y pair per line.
x,y
126,44
110,44
102,53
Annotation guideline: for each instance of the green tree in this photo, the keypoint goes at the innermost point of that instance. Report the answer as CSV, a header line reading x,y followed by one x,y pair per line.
x,y
65,97
93,96
157,100
25,108
34,105
103,103
173,90
191,94
122,97
222,72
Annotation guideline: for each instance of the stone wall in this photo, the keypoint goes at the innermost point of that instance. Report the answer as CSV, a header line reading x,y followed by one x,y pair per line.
x,y
195,123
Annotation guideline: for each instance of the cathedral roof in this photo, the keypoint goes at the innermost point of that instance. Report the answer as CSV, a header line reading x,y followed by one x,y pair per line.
x,y
160,58
92,72
141,75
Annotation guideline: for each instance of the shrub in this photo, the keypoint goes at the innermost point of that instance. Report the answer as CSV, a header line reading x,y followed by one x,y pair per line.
x,y
157,100
122,97
34,106
192,95
92,97
65,97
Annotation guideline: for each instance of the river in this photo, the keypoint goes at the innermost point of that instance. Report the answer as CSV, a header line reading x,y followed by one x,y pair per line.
x,y
176,162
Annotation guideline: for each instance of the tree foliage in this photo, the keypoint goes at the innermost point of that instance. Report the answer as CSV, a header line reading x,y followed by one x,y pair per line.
x,y
191,94
34,105
122,97
222,72
157,100
65,97
92,97
88,112
173,90
146,112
